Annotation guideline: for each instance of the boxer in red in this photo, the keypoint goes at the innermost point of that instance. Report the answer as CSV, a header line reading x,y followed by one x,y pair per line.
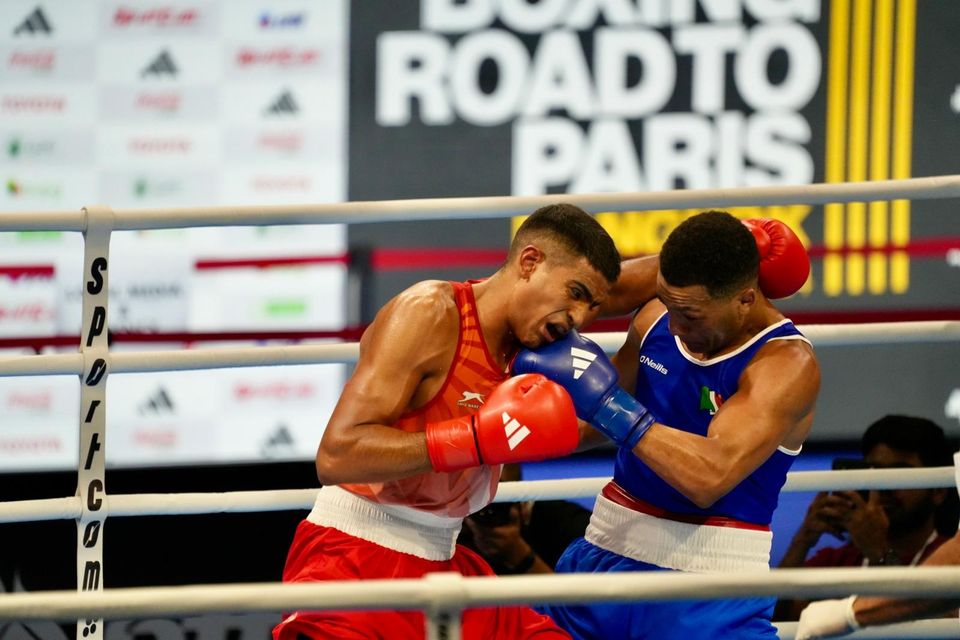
x,y
422,426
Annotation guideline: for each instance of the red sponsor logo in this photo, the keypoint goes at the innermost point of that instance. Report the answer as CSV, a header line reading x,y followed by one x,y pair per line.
x,y
274,391
157,438
41,60
158,17
277,57
26,312
159,101
288,142
281,183
160,145
30,401
34,104
40,443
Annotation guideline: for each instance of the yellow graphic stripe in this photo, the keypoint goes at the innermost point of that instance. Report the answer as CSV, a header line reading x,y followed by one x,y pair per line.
x,y
857,153
836,141
880,141
902,138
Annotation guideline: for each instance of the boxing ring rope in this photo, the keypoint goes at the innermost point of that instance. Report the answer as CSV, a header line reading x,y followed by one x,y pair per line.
x,y
168,504
139,219
216,358
449,593
442,595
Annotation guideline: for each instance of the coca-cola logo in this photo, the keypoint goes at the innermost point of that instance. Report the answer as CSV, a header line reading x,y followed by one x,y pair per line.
x,y
277,57
245,391
157,17
38,60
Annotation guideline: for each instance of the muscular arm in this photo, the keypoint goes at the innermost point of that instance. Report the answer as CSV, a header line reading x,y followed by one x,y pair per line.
x,y
635,287
875,610
410,343
775,399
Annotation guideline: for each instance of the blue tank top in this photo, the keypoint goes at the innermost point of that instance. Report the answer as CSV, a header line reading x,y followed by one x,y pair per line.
x,y
684,393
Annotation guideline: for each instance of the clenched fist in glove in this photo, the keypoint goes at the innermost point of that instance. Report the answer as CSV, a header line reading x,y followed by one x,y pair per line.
x,y
526,418
581,366
784,263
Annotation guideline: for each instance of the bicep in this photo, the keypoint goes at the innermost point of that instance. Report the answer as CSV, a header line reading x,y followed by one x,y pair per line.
x,y
775,399
636,286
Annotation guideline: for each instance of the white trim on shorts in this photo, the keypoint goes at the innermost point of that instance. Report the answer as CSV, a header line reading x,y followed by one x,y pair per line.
x,y
677,545
396,527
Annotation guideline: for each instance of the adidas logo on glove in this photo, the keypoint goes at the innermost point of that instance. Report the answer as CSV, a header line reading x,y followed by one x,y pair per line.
x,y
516,432
581,361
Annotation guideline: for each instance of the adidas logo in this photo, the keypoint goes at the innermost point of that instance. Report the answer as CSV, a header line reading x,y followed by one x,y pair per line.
x,y
279,442
161,65
36,22
159,403
516,432
581,361
284,104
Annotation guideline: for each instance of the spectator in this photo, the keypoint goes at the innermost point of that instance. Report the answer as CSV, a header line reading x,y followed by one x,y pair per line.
x,y
524,537
886,528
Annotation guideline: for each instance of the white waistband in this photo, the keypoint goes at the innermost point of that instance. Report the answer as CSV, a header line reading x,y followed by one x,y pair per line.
x,y
395,527
677,545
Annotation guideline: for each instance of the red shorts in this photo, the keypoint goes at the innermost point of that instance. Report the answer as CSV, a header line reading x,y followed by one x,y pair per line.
x,y
321,553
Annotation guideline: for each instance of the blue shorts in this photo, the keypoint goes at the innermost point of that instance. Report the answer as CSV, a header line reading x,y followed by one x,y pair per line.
x,y
740,619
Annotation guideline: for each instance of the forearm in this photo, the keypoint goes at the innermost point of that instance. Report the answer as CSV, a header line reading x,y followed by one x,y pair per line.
x,y
693,465
796,553
372,453
636,286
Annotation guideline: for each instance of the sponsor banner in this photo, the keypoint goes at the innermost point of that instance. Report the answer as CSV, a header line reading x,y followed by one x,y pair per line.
x,y
159,20
148,102
43,188
159,63
322,180
35,145
286,20
45,62
268,242
279,102
24,21
277,413
151,187
159,418
293,298
25,103
28,306
149,287
173,145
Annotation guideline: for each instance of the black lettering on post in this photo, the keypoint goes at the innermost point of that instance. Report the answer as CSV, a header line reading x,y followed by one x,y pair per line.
x,y
97,371
94,447
92,410
96,323
94,503
91,575
98,266
91,534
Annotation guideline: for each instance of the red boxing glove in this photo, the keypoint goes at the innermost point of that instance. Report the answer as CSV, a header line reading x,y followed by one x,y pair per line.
x,y
784,263
526,418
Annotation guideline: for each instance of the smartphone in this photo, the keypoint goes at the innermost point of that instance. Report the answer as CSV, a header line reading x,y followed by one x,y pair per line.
x,y
841,464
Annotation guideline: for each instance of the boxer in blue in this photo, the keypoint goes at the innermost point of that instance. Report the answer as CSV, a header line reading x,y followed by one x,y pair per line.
x,y
721,396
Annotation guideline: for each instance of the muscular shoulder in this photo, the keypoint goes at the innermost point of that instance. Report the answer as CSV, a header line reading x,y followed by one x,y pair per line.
x,y
423,319
643,320
789,365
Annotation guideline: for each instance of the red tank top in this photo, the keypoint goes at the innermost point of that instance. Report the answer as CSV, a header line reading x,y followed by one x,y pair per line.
x,y
472,376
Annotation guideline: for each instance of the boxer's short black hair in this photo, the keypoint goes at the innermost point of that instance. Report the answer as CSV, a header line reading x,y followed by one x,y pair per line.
x,y
577,231
712,249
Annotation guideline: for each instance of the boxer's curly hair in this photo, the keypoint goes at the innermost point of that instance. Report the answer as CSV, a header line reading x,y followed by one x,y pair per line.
x,y
575,230
712,249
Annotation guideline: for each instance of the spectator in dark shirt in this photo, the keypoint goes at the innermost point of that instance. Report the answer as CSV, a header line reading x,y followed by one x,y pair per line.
x,y
883,528
524,537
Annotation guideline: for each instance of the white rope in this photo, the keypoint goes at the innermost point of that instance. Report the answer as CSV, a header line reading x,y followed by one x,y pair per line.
x,y
489,207
921,629
217,358
165,504
442,590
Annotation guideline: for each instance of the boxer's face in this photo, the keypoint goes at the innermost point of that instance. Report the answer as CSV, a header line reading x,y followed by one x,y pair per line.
x,y
704,324
556,296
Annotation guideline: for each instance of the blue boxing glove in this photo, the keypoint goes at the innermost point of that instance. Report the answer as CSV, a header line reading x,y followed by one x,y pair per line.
x,y
582,368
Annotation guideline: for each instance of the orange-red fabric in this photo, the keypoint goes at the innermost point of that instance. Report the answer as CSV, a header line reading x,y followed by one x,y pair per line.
x,y
322,553
472,376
